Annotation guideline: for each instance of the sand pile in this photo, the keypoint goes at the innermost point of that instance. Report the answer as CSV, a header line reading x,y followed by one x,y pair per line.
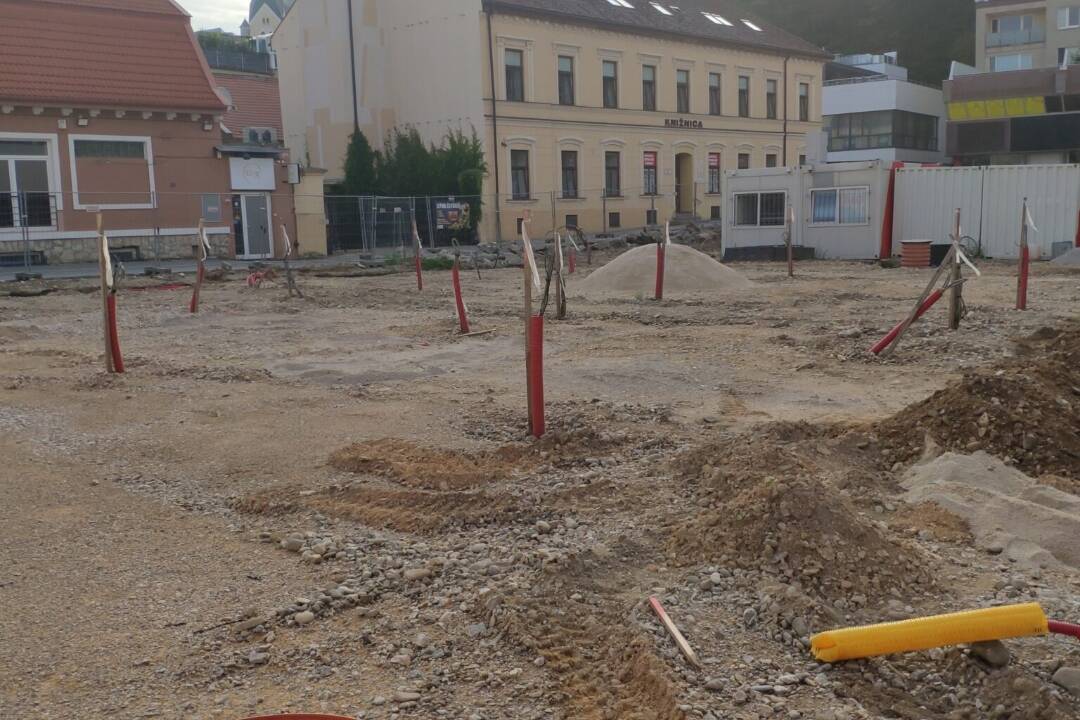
x,y
1026,409
633,274
1072,257
1008,511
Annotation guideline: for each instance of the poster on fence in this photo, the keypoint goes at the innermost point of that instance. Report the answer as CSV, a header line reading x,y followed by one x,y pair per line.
x,y
451,214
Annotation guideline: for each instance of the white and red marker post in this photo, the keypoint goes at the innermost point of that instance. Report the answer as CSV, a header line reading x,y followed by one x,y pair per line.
x,y
417,261
534,338
114,360
661,261
202,252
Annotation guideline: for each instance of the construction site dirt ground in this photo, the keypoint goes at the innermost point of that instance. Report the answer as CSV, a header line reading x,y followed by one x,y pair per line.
x,y
329,504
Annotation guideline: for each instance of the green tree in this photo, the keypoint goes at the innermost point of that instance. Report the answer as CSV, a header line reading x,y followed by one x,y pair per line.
x,y
359,167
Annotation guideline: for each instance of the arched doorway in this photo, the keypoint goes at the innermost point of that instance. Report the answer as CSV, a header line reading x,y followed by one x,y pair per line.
x,y
684,183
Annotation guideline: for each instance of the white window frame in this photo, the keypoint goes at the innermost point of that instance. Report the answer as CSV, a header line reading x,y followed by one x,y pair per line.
x,y
836,206
528,144
994,58
148,146
52,165
735,208
1063,18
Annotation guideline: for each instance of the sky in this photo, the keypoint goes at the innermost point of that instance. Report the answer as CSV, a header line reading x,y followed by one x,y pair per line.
x,y
226,14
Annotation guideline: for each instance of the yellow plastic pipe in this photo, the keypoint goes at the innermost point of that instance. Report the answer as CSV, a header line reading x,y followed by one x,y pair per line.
x,y
997,623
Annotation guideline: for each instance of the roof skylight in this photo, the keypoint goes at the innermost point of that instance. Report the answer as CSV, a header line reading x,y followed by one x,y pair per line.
x,y
621,3
719,20
660,8
751,25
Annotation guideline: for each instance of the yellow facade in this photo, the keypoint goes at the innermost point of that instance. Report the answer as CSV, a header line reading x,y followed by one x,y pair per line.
x,y
682,142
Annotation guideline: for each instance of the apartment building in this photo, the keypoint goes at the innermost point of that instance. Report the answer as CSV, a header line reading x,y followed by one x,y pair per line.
x,y
872,111
1026,35
594,113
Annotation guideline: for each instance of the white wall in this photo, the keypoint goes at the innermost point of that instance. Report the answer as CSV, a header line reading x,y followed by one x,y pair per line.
x,y
851,242
877,95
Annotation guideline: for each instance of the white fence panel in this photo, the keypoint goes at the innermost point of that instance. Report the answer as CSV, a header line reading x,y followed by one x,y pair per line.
x,y
1053,194
927,198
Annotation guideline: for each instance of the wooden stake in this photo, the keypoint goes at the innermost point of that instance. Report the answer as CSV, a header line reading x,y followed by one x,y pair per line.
x,y
103,265
560,292
528,291
914,314
956,294
673,630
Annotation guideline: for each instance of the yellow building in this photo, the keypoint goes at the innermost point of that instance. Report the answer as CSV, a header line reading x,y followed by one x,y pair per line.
x,y
596,113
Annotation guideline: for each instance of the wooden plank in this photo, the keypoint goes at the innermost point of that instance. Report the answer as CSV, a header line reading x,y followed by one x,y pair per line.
x,y
673,630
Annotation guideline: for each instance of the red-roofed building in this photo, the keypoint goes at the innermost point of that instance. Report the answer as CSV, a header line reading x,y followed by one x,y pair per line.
x,y
110,105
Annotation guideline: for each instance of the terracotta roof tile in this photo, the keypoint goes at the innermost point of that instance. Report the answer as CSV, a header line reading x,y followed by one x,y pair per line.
x,y
132,54
256,101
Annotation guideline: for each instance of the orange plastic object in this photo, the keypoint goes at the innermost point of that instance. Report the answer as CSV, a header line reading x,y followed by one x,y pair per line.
x,y
999,623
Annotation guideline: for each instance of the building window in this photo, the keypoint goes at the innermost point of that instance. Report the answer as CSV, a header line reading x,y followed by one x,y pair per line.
x,y
1068,56
569,174
882,129
111,172
515,76
682,91
25,200
715,106
802,160
1006,63
651,183
760,209
714,173
744,96
770,160
612,186
519,174
648,87
1068,18
566,80
571,221
611,84
804,102
614,220
770,99
744,161
840,206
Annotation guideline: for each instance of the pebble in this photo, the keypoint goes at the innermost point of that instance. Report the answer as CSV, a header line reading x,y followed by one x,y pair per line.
x,y
402,696
303,618
292,544
414,574
993,652
475,630
258,658
1069,678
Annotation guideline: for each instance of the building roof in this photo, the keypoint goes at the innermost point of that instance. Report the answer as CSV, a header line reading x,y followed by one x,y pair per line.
x,y
125,54
280,7
683,18
255,101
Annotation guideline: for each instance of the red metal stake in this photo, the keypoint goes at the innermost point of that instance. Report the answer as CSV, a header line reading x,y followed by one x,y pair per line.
x,y
1022,283
660,251
888,339
463,318
536,374
200,273
572,261
114,335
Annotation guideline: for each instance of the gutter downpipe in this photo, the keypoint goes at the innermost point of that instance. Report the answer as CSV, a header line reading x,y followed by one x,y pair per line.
x,y
489,11
352,63
786,59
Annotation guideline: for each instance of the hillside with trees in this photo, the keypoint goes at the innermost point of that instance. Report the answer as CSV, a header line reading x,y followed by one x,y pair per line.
x,y
927,33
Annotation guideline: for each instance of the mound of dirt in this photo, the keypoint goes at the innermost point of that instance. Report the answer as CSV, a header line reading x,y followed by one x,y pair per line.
x,y
803,529
1008,511
633,274
429,468
1025,410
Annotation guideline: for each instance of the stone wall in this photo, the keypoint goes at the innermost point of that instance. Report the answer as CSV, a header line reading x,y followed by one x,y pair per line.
x,y
82,250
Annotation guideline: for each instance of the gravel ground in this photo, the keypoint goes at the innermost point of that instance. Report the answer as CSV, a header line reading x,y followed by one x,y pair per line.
x,y
329,504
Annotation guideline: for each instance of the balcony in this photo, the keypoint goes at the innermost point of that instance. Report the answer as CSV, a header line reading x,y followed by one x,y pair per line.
x,y
240,61
1032,36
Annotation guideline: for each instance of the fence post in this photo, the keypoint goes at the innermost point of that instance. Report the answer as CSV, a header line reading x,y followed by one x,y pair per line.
x,y
430,224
